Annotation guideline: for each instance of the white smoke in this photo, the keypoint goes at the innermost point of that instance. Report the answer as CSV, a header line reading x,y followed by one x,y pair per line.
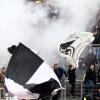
x,y
23,21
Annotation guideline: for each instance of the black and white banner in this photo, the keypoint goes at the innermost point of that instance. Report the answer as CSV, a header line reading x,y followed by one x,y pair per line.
x,y
74,45
28,76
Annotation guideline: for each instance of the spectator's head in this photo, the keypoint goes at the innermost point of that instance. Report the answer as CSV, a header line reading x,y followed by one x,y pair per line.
x,y
94,34
4,70
70,66
91,67
56,66
90,52
96,27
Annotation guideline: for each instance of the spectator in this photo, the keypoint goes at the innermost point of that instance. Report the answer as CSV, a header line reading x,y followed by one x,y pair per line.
x,y
60,72
2,84
90,80
3,79
3,73
0,76
96,31
72,78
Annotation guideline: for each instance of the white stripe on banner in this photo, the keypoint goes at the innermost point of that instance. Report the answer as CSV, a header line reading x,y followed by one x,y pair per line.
x,y
19,91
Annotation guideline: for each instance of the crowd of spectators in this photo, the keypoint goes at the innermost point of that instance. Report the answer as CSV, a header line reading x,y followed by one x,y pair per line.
x,y
91,64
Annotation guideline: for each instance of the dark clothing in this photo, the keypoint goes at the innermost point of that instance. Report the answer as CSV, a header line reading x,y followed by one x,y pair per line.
x,y
60,72
45,98
72,89
72,75
96,28
57,96
97,39
72,80
90,80
98,75
90,75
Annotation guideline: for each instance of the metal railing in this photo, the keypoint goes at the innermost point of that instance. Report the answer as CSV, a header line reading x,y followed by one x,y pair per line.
x,y
79,91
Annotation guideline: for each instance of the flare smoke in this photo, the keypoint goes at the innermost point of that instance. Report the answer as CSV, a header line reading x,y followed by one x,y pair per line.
x,y
43,26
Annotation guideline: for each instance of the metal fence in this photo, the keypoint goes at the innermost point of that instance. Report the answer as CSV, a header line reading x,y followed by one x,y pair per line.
x,y
79,91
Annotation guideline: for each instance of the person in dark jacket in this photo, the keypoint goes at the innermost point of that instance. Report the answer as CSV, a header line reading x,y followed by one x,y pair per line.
x,y
60,72
90,80
96,33
72,78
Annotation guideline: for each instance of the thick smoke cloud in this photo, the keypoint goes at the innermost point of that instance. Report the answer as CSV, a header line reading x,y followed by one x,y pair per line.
x,y
43,27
